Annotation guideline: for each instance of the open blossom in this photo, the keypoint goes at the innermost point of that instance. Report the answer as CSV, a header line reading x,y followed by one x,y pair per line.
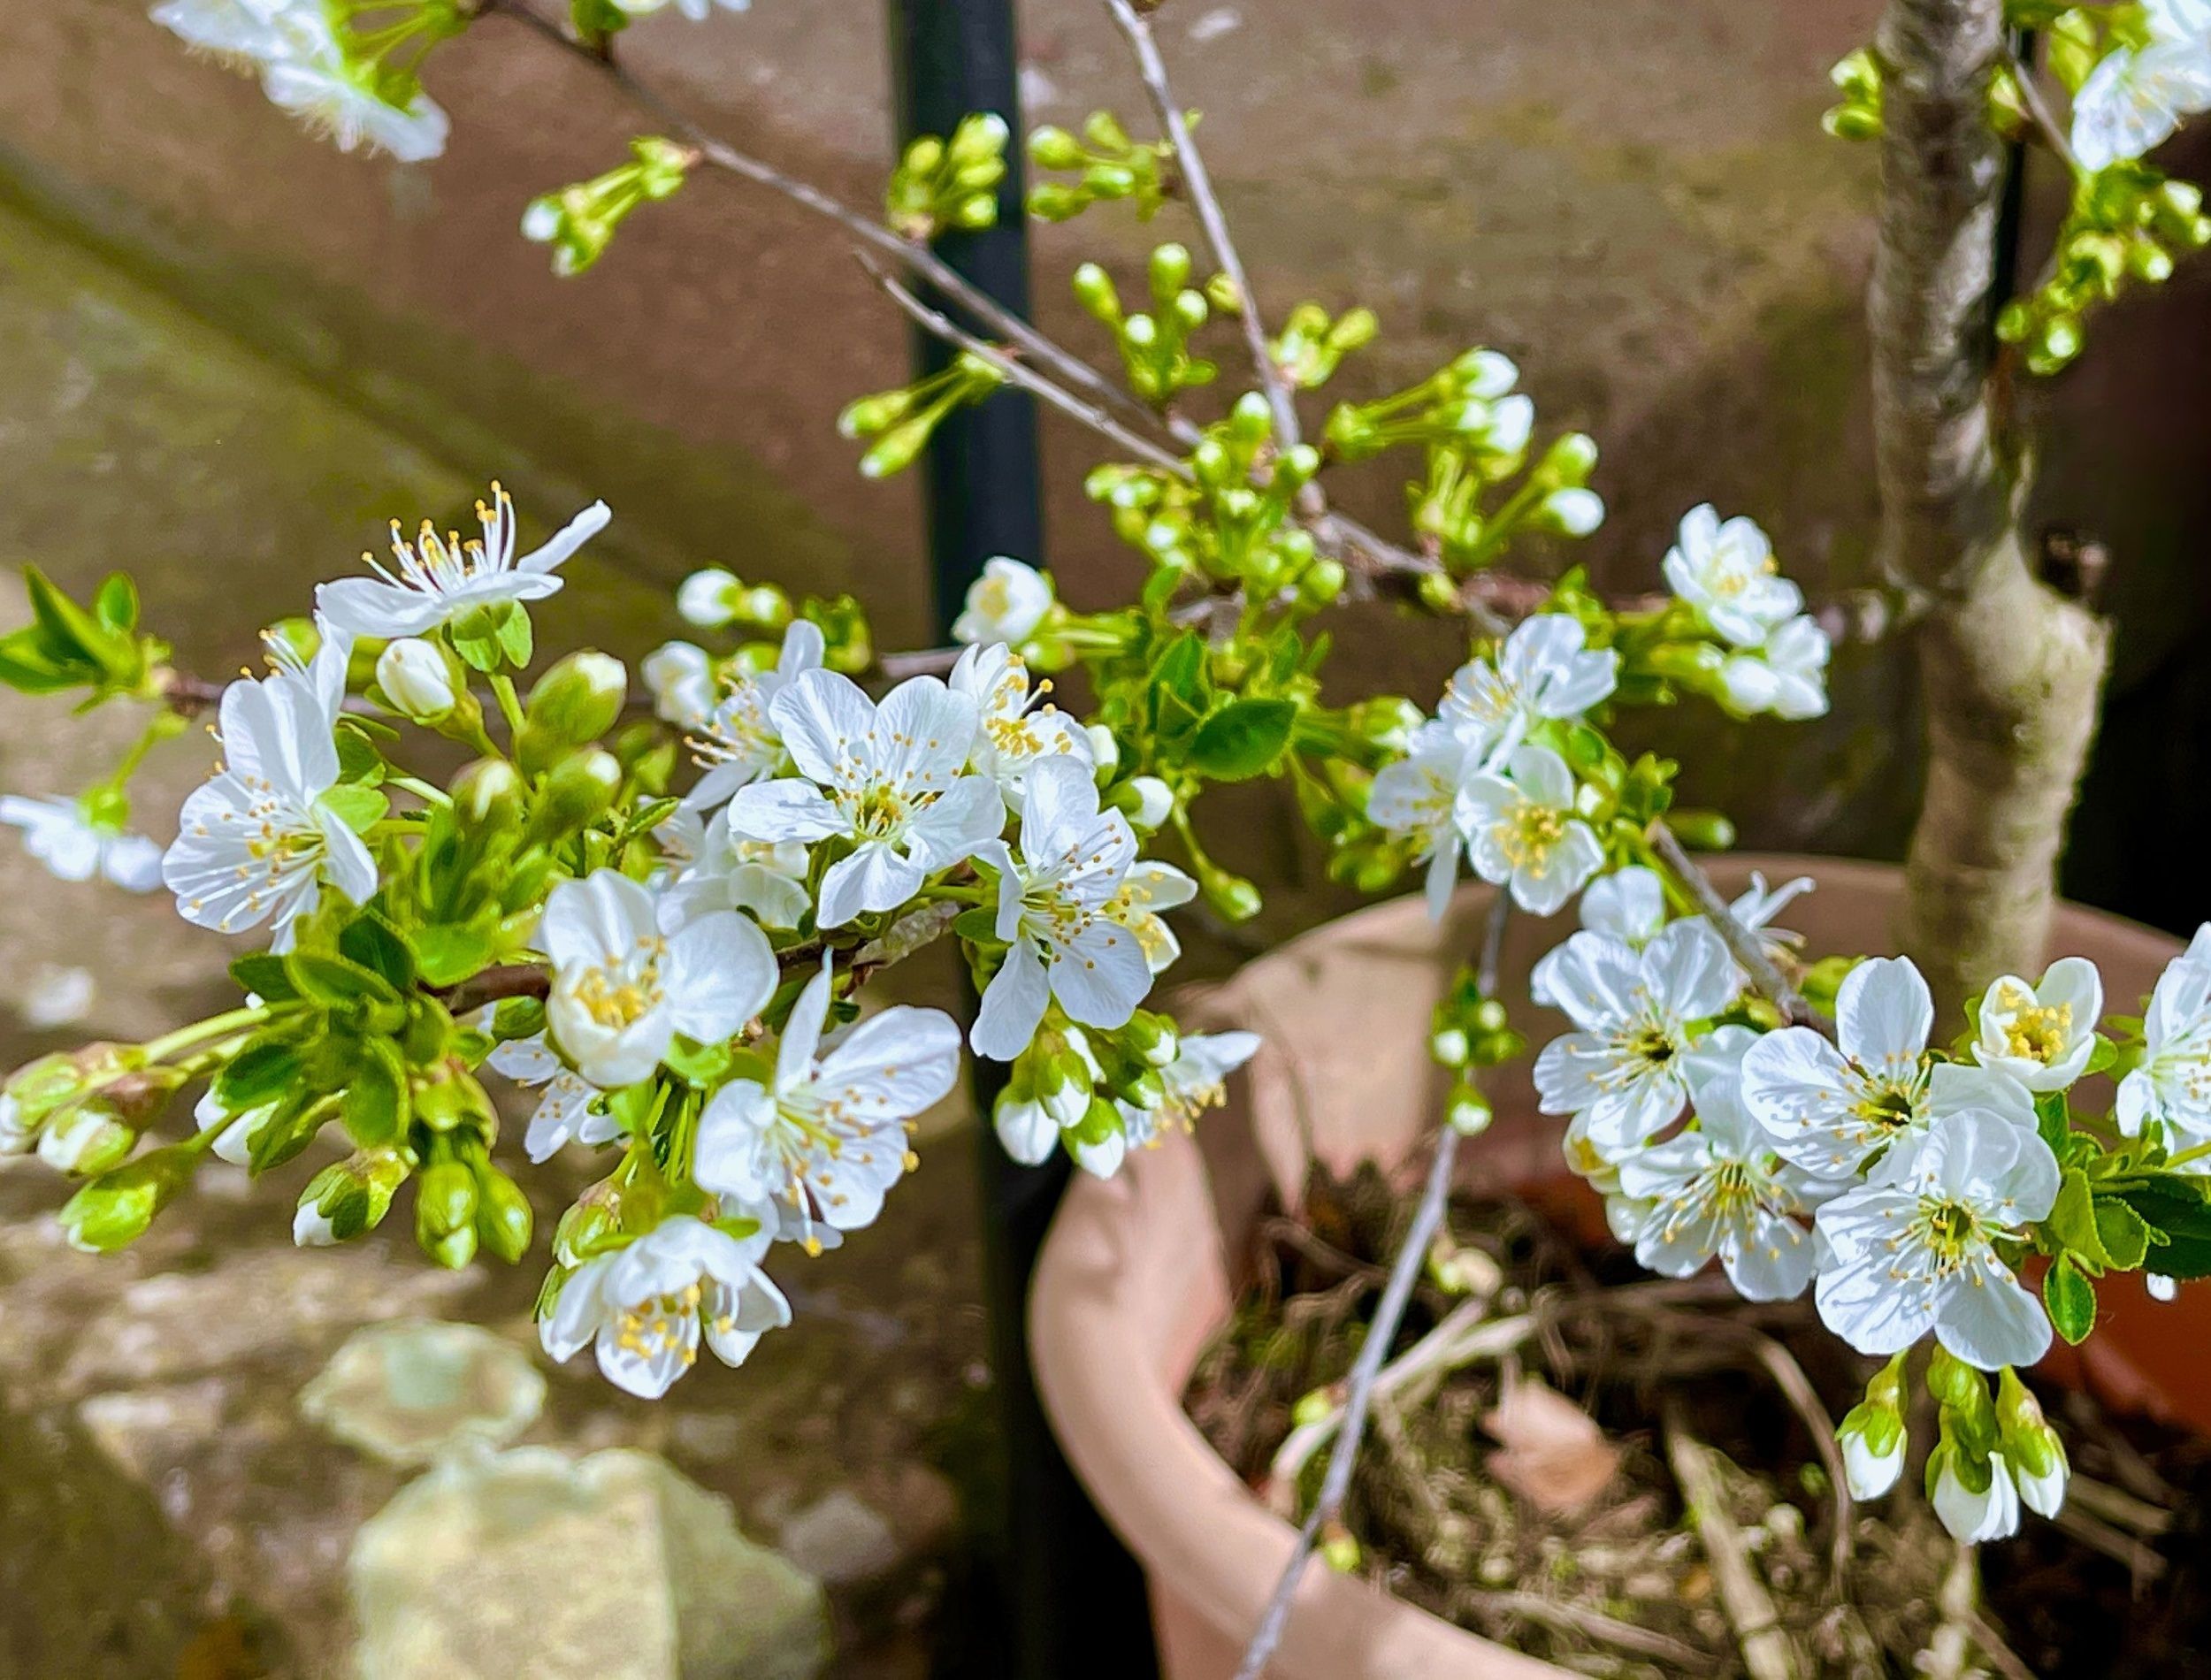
x,y
1785,673
1543,671
827,1138
1195,1080
251,29
1830,1108
435,578
740,742
62,834
1623,1069
890,779
2171,1085
1005,604
1052,900
1913,1249
1720,1190
1522,834
622,990
339,99
1149,888
564,1112
1726,571
646,1307
1418,795
257,842
2042,1035
1630,905
719,870
2134,99
1016,728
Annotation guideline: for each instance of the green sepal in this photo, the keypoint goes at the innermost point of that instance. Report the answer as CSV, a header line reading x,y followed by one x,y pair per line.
x,y
262,974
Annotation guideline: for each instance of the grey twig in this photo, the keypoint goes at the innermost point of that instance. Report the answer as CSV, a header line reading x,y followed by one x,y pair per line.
x,y
1742,944
1336,1480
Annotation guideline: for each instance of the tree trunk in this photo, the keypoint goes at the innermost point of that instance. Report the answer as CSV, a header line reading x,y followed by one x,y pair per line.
x,y
2010,670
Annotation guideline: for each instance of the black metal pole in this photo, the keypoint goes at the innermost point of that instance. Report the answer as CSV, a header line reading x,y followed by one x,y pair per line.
x,y
1060,1596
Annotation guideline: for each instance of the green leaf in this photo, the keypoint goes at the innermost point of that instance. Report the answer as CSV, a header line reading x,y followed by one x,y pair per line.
x,y
30,664
265,1070
337,982
2072,1221
2101,1056
116,604
374,1107
700,1065
1242,739
262,974
373,943
2052,1116
2071,1300
288,1131
448,954
2185,1258
2173,1205
977,926
360,807
515,637
2126,1236
359,761
1180,691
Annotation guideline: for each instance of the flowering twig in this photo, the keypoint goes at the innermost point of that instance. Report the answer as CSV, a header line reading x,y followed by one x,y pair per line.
x,y
1742,944
1198,190
1427,1217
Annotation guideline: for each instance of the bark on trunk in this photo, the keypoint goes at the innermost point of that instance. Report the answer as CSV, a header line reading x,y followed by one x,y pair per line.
x,y
2011,671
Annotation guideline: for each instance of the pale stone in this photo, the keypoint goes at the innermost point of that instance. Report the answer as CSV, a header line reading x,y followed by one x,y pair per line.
x,y
406,1392
612,1567
841,1537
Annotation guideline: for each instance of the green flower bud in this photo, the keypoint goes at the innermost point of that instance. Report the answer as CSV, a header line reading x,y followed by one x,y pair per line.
x,y
1702,830
572,703
114,1209
1152,1038
489,795
574,794
347,1198
503,1221
1467,1111
1449,1047
1312,1406
1051,148
445,1201
86,1139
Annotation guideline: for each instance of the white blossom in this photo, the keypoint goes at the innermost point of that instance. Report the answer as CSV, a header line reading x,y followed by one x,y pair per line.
x,y
697,11
64,835
2042,1035
2135,99
1005,604
1870,1469
1016,727
1418,795
1830,1107
622,990
564,1114
646,1306
259,30
890,780
1727,572
336,98
1054,893
2171,1084
236,1144
1195,1080
1149,888
827,1138
435,578
740,742
257,842
1975,1516
680,676
1521,832
1719,1189
1913,1249
718,871
1543,671
1785,673
1623,1067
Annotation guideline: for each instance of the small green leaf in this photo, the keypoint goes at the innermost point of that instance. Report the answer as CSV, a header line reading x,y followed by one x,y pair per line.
x,y
374,1107
2173,1204
2071,1300
373,943
1242,739
359,762
2102,1056
288,1131
262,974
2126,1236
2053,1118
977,926
514,638
448,954
360,807
337,982
2072,1221
116,604
265,1070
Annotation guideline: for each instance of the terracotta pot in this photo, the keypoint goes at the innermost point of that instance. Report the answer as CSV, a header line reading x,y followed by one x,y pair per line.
x,y
1140,1273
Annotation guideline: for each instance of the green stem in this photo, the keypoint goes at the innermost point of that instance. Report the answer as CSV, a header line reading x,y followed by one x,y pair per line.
x,y
509,706
158,1050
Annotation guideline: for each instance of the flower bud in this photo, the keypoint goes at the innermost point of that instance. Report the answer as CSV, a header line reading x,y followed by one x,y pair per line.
x,y
1063,1082
1312,1406
85,1139
1872,1440
347,1198
1467,1110
445,1212
709,598
16,1134
489,795
1976,1498
1574,512
1449,1047
2030,1446
1145,800
571,705
1025,1130
1105,750
1151,1038
1485,373
114,1209
503,1220
415,679
575,793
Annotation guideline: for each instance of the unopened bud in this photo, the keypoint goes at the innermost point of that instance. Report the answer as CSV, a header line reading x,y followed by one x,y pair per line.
x,y
489,794
347,1198
1105,750
575,792
115,1209
85,1139
503,1221
1145,800
707,597
571,705
415,679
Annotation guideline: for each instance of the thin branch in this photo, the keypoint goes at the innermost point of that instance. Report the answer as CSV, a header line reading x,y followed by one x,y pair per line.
x,y
2038,109
1198,190
1573,1618
494,984
1336,1481
1767,1651
927,661
1742,944
1018,373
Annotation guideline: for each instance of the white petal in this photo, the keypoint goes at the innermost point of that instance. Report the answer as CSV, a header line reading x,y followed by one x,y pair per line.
x,y
1012,1005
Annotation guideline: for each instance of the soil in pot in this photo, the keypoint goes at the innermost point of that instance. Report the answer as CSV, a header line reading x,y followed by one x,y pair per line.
x,y
1633,1477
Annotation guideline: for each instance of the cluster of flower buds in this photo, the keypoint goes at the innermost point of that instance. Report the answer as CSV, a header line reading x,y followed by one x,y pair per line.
x,y
1108,166
579,222
942,184
1154,346
1856,113
900,423
1314,342
2127,224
